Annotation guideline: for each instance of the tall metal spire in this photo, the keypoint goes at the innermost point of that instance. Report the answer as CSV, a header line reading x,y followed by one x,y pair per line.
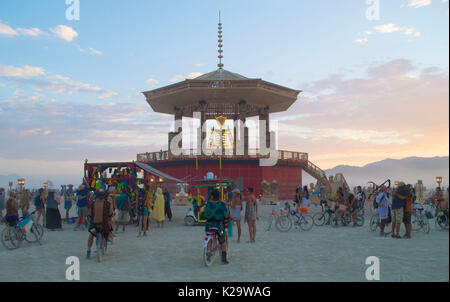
x,y
220,51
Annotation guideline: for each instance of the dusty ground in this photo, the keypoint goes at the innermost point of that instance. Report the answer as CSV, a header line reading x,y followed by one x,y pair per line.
x,y
174,253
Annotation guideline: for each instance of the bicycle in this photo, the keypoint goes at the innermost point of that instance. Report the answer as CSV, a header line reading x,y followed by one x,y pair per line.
x,y
304,221
374,223
441,220
25,229
211,245
359,217
101,242
419,220
280,218
321,218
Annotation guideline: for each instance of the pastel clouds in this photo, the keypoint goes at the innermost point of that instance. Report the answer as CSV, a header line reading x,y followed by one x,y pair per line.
x,y
180,77
152,82
419,3
58,84
395,109
26,71
7,30
64,32
390,28
362,41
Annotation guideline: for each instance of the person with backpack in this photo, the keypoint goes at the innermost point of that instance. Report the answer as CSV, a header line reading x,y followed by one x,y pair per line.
x,y
100,213
142,210
123,206
383,207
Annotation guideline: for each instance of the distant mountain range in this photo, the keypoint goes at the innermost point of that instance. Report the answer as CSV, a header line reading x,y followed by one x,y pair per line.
x,y
408,170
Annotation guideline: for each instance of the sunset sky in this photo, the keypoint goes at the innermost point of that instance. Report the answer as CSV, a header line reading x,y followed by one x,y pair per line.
x,y
71,89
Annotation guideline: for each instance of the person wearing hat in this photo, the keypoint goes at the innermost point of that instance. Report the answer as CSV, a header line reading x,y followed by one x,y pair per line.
x,y
235,210
398,203
407,211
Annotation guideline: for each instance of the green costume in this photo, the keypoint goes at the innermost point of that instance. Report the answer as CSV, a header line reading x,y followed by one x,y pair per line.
x,y
215,213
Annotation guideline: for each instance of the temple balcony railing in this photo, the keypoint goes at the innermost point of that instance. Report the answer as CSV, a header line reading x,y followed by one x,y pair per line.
x,y
191,154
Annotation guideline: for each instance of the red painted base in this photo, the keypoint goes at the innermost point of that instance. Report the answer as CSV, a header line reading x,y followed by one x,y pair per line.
x,y
287,173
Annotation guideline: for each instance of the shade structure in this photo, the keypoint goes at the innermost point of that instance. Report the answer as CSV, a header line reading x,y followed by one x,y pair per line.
x,y
221,87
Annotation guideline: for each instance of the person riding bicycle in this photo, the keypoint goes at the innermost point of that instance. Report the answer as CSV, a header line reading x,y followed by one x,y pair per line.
x,y
341,204
217,217
354,207
100,215
360,197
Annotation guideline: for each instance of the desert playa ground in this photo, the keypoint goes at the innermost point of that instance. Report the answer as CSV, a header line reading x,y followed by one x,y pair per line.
x,y
174,253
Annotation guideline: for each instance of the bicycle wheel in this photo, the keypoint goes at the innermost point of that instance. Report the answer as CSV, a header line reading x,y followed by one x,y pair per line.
x,y
359,220
9,238
426,226
319,219
39,230
99,247
373,224
306,222
208,253
442,222
415,222
269,223
32,235
283,224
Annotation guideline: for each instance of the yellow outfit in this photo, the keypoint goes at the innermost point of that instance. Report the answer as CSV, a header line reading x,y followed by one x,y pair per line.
x,y
158,206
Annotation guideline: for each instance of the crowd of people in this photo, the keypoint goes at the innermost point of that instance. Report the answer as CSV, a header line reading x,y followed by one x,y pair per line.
x,y
108,209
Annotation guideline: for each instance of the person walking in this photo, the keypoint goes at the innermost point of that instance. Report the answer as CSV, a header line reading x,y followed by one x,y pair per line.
x,y
398,203
39,203
167,209
53,216
251,213
142,210
67,202
82,204
323,195
305,197
123,206
158,208
236,209
24,201
383,208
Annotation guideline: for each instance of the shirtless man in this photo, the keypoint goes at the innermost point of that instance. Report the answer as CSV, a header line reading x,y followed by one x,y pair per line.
x,y
251,212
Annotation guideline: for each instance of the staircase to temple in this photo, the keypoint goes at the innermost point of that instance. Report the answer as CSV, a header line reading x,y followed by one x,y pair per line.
x,y
314,171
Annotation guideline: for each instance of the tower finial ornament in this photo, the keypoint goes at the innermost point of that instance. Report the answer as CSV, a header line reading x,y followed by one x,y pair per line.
x,y
220,51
